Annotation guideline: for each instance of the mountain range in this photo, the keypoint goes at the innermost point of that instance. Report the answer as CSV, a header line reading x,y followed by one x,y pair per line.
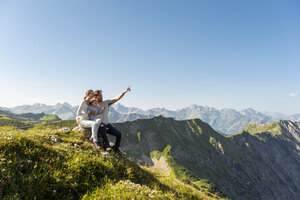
x,y
226,121
260,162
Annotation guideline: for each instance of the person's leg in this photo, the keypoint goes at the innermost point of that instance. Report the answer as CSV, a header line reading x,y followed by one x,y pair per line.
x,y
95,128
113,131
90,124
86,123
102,131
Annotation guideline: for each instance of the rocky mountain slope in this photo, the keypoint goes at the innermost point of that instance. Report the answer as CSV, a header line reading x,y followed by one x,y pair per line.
x,y
226,121
261,162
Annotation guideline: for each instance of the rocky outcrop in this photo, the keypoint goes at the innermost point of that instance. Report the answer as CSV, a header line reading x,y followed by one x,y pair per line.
x,y
87,131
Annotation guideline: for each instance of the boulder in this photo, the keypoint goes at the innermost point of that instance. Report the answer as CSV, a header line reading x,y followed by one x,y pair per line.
x,y
105,154
65,130
55,139
86,131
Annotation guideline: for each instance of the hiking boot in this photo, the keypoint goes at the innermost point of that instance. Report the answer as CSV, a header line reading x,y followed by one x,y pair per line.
x,y
117,150
106,147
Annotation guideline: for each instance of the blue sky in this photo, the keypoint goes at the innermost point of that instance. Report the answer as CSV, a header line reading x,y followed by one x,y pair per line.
x,y
224,54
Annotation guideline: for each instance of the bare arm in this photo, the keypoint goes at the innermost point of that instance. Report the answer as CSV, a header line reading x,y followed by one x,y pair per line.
x,y
120,96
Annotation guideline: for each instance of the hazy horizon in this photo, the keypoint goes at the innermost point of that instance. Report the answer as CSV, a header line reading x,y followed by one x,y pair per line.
x,y
170,109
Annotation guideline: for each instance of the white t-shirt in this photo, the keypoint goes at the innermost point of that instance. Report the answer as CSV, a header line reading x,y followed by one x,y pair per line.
x,y
104,115
82,111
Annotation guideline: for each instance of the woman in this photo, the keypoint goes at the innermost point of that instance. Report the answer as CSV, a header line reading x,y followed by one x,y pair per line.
x,y
82,117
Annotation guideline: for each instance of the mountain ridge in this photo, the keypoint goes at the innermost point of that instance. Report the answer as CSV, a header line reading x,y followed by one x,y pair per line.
x,y
227,121
246,165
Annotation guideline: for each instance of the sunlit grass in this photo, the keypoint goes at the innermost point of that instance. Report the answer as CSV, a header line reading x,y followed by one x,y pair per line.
x,y
32,166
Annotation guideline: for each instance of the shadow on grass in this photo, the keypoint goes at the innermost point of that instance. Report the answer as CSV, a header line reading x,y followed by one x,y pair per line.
x,y
34,170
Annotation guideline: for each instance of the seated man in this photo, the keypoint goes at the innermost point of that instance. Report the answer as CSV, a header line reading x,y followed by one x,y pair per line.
x,y
105,126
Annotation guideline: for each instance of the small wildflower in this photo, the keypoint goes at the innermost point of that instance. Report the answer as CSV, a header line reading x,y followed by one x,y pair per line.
x,y
54,191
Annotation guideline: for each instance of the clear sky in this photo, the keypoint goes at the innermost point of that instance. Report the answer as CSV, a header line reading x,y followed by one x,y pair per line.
x,y
225,54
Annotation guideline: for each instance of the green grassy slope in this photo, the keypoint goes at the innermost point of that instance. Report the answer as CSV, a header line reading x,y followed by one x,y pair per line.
x,y
261,162
30,117
33,167
5,121
271,128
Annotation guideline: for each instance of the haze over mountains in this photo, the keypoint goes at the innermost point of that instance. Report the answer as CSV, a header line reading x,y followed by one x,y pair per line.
x,y
226,121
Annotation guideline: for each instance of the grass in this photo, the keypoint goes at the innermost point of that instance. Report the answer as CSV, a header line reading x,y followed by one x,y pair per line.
x,y
272,128
5,121
34,167
30,117
185,176
56,125
49,118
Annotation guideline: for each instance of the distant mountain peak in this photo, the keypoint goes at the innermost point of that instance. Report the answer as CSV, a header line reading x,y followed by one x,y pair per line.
x,y
228,121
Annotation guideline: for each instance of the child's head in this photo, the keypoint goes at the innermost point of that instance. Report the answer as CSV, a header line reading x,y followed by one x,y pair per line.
x,y
94,103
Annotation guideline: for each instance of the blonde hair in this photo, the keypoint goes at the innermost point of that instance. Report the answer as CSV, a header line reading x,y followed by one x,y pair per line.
x,y
97,92
87,93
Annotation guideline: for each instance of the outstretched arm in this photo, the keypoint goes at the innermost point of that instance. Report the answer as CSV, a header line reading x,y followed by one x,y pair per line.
x,y
120,96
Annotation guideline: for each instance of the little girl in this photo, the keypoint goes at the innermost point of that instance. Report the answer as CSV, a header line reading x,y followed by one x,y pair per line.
x,y
97,110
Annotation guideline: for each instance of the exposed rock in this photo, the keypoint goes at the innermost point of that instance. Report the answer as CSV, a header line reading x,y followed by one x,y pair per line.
x,y
65,130
87,131
105,154
75,144
55,139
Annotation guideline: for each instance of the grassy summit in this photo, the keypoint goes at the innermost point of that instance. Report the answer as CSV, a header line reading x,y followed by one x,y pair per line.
x,y
34,167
